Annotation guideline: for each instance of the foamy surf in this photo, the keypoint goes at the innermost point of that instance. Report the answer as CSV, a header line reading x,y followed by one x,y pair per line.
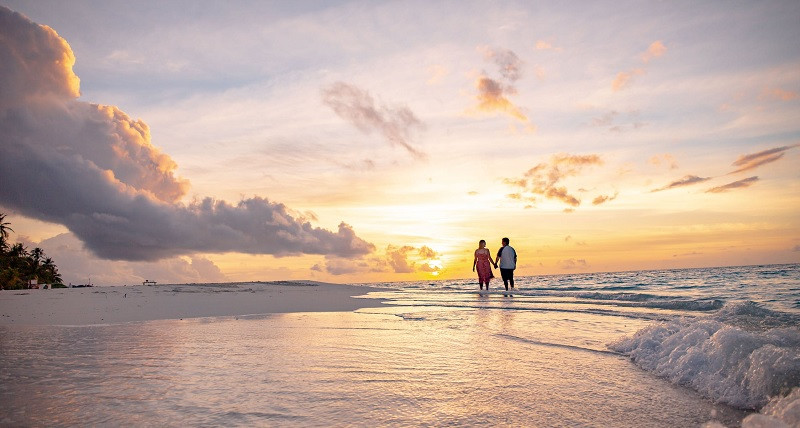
x,y
720,357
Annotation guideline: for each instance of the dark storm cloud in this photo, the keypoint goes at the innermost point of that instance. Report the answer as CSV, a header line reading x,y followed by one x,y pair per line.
x,y
93,169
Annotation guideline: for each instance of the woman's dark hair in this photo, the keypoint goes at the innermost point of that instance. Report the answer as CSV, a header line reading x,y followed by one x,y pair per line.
x,y
482,241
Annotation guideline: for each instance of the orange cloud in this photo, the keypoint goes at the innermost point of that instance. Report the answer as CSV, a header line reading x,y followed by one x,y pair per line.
x,y
601,199
624,77
492,97
685,181
545,178
542,45
665,159
493,93
655,50
747,182
778,94
751,161
403,259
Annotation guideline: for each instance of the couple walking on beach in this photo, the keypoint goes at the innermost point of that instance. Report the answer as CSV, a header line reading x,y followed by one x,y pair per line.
x,y
506,259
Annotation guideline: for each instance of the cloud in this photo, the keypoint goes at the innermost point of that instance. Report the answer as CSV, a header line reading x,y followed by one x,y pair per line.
x,y
396,259
570,264
685,181
609,119
747,182
601,199
542,45
77,265
396,124
778,94
655,50
751,161
493,93
606,119
492,98
544,178
36,62
624,78
664,159
437,72
427,252
93,169
507,61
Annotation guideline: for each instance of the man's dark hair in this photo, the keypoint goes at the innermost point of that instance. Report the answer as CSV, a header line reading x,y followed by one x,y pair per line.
x,y
505,241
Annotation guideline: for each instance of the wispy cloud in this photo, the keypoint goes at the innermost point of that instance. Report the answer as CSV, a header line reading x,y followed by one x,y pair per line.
x,y
683,182
543,45
747,182
778,94
396,124
394,259
601,199
663,159
610,120
754,160
570,264
624,78
545,178
493,93
94,170
655,50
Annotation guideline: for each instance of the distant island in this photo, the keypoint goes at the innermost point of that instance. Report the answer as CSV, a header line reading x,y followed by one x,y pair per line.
x,y
20,268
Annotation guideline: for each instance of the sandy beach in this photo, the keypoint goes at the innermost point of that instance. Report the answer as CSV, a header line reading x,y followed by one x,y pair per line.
x,y
104,305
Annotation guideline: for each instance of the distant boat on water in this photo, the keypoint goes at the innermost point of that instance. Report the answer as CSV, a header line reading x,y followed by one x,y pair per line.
x,y
88,284
148,282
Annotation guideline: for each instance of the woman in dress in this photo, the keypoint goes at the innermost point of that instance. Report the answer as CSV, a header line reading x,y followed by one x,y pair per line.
x,y
483,262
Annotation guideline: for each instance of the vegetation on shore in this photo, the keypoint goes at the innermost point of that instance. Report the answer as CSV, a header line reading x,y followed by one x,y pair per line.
x,y
18,266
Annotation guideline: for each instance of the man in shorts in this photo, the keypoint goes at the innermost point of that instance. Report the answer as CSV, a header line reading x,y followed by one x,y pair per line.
x,y
507,259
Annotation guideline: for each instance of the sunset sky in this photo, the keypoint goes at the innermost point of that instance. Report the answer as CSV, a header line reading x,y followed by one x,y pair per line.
x,y
198,141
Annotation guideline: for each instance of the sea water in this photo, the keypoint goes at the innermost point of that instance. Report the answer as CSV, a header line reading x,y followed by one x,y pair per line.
x,y
652,349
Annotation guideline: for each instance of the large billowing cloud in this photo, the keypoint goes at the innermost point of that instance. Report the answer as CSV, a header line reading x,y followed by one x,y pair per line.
x,y
396,124
545,179
93,169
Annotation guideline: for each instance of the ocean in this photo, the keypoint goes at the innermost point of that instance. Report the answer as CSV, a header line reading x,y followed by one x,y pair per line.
x,y
667,348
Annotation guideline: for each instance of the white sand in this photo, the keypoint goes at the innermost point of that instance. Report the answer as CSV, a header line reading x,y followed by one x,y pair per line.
x,y
100,305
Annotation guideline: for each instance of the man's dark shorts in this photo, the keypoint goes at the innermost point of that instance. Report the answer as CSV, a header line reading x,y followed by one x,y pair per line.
x,y
507,274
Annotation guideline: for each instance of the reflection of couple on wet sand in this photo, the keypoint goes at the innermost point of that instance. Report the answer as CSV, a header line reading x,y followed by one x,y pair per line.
x,y
506,259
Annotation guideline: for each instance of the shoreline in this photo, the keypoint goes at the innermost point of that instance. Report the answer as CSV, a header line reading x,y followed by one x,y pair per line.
x,y
122,304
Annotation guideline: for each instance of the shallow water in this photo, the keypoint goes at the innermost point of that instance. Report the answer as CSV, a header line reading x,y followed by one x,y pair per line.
x,y
437,355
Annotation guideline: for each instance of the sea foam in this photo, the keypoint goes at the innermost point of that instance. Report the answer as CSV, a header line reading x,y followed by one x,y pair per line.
x,y
726,357
780,412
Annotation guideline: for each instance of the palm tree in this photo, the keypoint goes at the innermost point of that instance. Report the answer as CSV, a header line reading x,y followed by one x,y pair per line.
x,y
4,228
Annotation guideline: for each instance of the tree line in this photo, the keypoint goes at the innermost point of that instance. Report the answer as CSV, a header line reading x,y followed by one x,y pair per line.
x,y
18,266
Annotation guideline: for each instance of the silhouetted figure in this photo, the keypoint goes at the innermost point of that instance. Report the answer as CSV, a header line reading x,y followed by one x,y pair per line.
x,y
507,260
